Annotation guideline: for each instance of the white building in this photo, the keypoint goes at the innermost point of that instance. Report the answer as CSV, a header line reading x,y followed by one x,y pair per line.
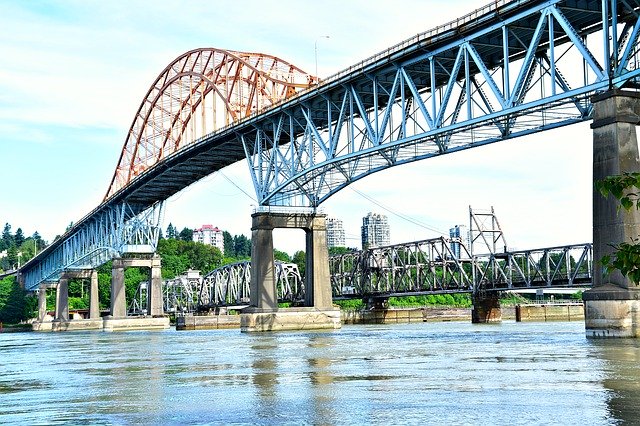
x,y
375,231
209,235
335,233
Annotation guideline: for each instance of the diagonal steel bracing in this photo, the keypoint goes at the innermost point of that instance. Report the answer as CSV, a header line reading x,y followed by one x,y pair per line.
x,y
110,232
523,67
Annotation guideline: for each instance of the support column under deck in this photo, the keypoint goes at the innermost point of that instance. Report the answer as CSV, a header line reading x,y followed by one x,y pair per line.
x,y
486,308
264,314
118,299
42,302
155,302
62,300
118,320
43,322
612,306
94,299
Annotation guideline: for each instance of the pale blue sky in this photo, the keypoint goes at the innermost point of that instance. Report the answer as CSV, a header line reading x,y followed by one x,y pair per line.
x,y
73,73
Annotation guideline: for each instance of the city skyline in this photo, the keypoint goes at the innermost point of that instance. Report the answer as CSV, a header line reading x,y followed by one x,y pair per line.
x,y
66,143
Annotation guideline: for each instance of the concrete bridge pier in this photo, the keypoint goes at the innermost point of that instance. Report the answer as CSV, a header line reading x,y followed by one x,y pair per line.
x,y
63,321
118,320
612,306
44,321
486,308
263,314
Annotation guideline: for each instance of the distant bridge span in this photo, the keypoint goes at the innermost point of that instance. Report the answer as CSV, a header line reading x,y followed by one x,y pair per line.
x,y
509,69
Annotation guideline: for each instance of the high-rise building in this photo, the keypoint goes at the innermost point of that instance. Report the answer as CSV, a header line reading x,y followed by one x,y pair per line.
x,y
460,235
375,231
335,233
209,235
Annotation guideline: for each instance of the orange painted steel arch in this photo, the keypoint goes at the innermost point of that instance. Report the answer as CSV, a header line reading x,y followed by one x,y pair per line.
x,y
199,92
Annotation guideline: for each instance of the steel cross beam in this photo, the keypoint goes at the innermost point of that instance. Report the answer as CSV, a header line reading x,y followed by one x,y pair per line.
x,y
512,69
109,232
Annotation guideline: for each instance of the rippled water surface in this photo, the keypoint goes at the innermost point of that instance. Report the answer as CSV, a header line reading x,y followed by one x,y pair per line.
x,y
427,373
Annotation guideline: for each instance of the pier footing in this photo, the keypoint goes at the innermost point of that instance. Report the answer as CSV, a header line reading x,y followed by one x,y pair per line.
x,y
611,311
289,319
76,324
207,322
486,309
135,323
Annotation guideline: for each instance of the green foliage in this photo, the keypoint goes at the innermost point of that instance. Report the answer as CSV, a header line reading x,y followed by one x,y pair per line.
x,y
281,256
626,256
179,256
15,305
229,247
300,259
453,300
171,231
242,246
333,251
186,234
350,304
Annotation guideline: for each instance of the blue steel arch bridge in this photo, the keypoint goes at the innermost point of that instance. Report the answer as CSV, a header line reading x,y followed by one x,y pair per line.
x,y
506,70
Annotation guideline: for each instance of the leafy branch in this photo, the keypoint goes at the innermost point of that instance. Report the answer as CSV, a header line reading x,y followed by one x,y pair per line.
x,y
626,257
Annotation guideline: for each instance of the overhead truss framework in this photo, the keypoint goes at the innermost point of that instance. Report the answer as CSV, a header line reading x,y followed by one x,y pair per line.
x,y
507,70
110,231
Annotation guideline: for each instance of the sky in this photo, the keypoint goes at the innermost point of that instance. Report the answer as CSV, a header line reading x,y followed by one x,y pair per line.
x,y
73,74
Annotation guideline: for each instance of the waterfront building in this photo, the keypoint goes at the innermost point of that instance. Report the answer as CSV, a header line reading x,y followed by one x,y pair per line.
x,y
209,235
335,233
375,231
461,235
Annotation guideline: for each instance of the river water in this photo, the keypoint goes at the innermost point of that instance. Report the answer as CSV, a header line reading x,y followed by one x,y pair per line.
x,y
452,373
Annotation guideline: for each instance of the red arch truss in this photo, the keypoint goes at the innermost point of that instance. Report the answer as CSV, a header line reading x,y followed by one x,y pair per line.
x,y
199,92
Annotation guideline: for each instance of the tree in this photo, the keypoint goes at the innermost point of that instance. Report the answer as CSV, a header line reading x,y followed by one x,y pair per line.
x,y
333,251
242,246
229,247
626,256
18,238
7,238
186,234
300,259
171,231
15,305
281,256
39,242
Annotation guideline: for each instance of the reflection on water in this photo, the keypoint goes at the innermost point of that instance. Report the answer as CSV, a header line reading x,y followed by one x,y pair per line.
x,y
434,373
621,375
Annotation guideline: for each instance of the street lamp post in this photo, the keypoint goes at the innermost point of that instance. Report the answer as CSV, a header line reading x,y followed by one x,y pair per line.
x,y
315,49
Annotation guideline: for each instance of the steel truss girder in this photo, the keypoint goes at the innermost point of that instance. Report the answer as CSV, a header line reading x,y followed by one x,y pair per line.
x,y
229,285
565,266
431,267
110,232
443,98
427,266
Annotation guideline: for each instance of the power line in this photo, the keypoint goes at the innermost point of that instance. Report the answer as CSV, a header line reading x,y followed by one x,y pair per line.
x,y
400,215
234,184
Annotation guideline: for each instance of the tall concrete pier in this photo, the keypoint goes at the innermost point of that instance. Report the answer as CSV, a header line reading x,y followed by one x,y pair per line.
x,y
612,306
118,320
264,314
